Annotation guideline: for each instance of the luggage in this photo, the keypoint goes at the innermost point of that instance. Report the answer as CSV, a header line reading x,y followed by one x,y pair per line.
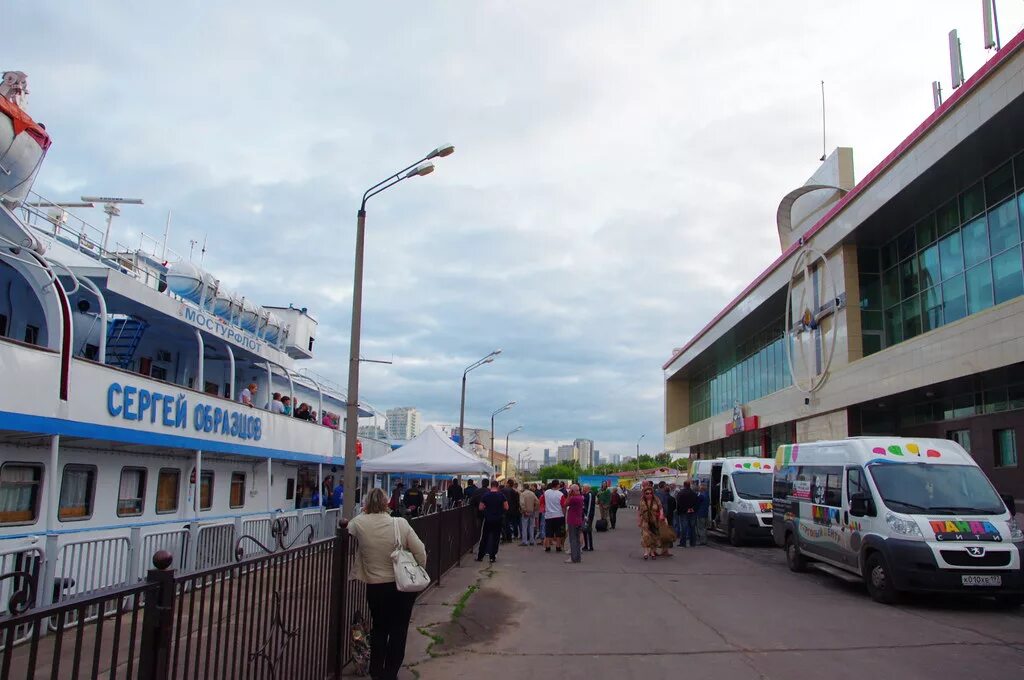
x,y
601,525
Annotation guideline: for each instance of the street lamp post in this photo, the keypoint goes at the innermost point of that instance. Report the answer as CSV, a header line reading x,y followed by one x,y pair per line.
x,y
418,169
462,407
503,408
511,432
638,457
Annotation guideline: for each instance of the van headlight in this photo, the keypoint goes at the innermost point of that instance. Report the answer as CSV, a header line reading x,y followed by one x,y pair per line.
x,y
746,506
1015,533
903,526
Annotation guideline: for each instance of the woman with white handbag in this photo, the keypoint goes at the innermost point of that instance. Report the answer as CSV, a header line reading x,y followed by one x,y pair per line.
x,y
390,559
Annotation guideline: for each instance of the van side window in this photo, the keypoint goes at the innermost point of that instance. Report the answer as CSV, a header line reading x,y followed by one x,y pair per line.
x,y
827,485
855,483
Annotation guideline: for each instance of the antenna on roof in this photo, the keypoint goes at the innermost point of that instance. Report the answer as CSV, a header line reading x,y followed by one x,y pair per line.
x,y
202,253
991,24
937,93
956,60
823,147
110,204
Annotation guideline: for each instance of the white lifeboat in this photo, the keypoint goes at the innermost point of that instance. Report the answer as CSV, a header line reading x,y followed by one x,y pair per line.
x,y
190,281
23,142
226,304
272,328
250,317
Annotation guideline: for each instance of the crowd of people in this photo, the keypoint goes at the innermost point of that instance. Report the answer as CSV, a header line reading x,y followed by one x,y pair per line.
x,y
283,405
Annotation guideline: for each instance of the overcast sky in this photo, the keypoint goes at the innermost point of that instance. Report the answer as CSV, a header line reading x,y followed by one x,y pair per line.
x,y
617,172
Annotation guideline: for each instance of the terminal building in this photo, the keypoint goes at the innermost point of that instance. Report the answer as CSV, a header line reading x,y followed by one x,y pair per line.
x,y
896,306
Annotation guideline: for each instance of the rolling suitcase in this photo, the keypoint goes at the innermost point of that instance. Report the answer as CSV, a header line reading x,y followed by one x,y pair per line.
x,y
601,525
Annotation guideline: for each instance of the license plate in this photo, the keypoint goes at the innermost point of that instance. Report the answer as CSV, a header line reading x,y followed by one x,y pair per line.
x,y
969,580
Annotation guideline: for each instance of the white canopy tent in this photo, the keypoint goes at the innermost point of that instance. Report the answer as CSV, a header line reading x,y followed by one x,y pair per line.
x,y
430,453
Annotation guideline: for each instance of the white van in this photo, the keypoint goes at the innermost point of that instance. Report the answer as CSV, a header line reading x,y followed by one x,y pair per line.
x,y
740,495
899,514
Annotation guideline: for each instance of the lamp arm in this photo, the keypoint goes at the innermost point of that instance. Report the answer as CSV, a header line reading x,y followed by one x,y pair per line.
x,y
370,192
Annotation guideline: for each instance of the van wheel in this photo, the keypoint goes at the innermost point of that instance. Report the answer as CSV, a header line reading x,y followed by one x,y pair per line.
x,y
878,579
735,539
794,559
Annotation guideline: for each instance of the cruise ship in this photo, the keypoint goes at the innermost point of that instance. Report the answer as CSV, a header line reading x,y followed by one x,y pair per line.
x,y
122,428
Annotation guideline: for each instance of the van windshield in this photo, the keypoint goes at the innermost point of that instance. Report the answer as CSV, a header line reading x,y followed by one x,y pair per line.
x,y
750,485
936,489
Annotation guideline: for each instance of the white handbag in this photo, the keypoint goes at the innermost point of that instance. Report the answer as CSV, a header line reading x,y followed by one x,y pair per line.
x,y
410,577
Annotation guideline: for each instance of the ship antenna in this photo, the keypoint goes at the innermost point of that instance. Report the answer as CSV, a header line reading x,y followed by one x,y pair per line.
x,y
202,253
823,147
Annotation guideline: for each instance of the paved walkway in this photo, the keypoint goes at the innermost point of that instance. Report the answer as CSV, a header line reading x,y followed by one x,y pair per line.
x,y
711,612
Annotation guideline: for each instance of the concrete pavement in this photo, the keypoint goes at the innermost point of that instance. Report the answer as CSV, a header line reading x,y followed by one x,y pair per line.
x,y
716,611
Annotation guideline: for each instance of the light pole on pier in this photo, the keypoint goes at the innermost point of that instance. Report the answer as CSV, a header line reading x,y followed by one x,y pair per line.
x,y
418,169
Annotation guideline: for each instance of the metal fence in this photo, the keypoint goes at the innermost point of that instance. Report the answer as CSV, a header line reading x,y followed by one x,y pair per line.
x,y
286,612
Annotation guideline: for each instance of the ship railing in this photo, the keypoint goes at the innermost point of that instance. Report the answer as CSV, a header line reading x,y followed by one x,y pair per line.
x,y
19,569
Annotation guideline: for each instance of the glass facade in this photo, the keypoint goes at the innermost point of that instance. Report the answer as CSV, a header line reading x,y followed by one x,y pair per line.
x,y
960,259
756,369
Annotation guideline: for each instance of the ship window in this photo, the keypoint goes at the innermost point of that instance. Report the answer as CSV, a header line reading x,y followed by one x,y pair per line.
x,y
131,494
206,490
158,373
32,334
77,491
19,492
91,352
167,490
237,490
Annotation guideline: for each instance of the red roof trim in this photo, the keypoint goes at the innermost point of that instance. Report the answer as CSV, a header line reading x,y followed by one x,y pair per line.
x,y
868,180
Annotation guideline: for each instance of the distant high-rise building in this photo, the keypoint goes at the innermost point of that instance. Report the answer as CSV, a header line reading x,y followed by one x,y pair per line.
x,y
547,457
584,452
372,432
617,458
597,458
403,422
567,453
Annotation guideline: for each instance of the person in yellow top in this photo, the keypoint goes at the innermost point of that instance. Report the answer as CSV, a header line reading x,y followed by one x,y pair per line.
x,y
391,609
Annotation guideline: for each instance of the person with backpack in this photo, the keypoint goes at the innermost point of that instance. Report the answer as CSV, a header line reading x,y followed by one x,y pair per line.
x,y
686,506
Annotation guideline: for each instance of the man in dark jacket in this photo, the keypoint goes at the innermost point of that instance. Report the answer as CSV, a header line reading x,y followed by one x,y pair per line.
x,y
686,506
511,529
467,493
589,508
413,500
454,493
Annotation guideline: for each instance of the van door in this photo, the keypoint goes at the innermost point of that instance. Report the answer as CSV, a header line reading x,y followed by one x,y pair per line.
x,y
856,483
821,532
714,492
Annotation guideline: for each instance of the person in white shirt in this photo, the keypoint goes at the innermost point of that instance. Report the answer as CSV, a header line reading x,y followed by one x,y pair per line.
x,y
554,518
247,394
277,406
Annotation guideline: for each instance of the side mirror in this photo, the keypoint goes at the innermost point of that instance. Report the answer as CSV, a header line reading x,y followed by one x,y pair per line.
x,y
861,505
1011,504
727,496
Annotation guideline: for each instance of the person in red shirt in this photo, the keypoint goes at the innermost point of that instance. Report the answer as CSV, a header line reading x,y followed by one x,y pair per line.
x,y
573,504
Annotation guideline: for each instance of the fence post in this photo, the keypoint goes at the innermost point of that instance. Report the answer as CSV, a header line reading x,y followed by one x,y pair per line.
x,y
134,553
336,612
158,620
440,542
45,592
458,545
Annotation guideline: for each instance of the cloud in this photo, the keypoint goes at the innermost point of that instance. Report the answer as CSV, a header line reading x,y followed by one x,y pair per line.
x,y
615,184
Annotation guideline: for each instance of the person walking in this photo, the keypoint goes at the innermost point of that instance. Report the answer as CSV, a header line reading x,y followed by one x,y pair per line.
x,y
617,501
493,505
541,536
574,523
512,516
390,608
554,518
528,505
604,499
687,508
589,507
454,493
649,516
703,504
468,492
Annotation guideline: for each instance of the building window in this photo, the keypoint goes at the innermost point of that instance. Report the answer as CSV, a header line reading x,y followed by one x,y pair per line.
x,y
961,259
1006,448
961,437
32,334
237,490
131,494
19,492
206,490
77,491
168,485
